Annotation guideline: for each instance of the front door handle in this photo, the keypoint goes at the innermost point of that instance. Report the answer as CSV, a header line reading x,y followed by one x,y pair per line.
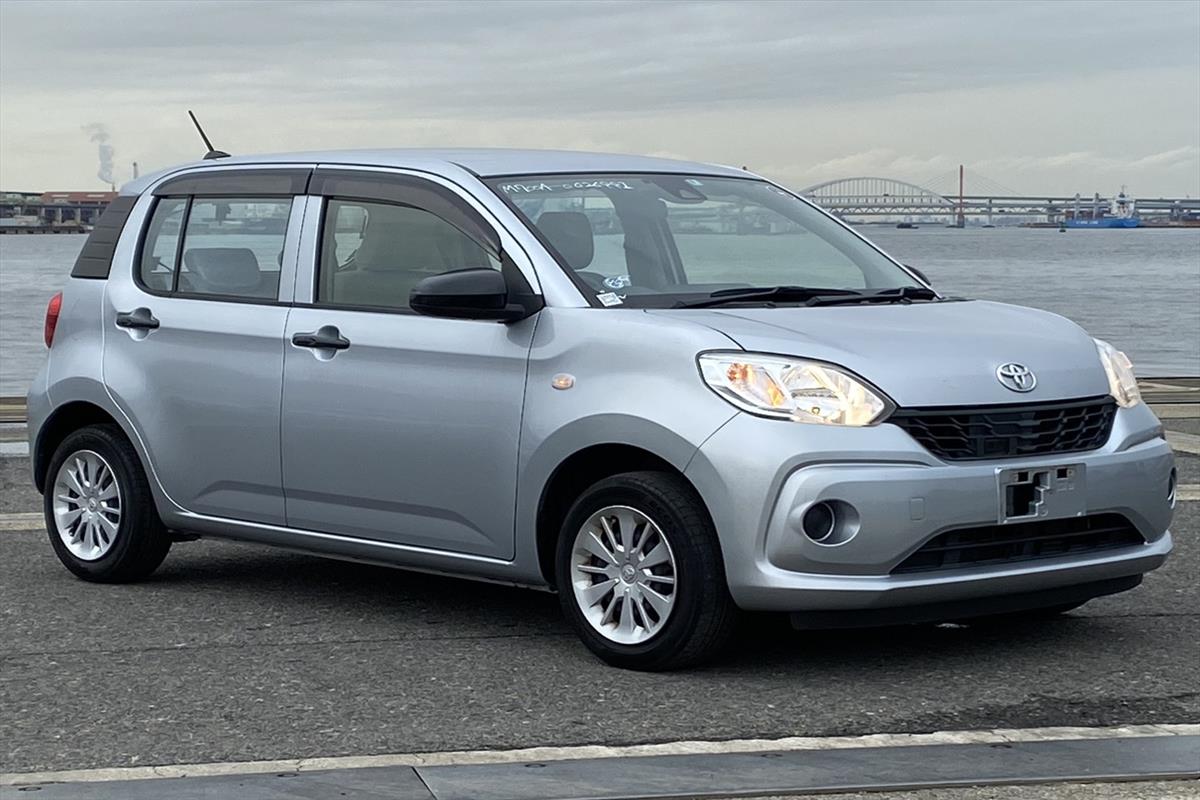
x,y
138,319
326,337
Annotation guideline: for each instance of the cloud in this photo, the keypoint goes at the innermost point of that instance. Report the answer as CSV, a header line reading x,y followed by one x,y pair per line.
x,y
1126,166
478,59
876,162
804,91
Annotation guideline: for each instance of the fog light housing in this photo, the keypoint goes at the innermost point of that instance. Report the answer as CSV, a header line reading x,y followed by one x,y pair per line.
x,y
818,521
826,522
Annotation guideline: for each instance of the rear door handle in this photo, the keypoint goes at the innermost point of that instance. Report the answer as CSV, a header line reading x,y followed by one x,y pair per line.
x,y
326,337
139,318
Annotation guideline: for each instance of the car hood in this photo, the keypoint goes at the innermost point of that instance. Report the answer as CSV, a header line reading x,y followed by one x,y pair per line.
x,y
926,354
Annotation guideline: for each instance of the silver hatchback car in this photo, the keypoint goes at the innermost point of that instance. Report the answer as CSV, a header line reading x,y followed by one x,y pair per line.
x,y
669,391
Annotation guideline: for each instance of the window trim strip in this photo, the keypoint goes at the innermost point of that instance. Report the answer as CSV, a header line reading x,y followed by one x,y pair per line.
x,y
283,182
177,267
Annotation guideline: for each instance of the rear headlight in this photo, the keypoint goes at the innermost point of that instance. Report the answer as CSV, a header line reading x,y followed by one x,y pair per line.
x,y
52,309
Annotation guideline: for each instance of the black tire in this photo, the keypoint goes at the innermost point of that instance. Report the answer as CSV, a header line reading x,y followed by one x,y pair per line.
x,y
704,615
1026,617
141,541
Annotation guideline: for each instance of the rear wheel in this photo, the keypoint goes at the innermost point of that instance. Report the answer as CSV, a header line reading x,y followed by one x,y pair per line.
x,y
99,512
640,575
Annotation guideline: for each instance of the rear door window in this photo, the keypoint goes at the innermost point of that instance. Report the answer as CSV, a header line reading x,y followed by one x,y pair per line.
x,y
234,247
231,248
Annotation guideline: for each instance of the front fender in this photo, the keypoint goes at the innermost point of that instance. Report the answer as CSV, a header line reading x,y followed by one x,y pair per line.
x,y
634,382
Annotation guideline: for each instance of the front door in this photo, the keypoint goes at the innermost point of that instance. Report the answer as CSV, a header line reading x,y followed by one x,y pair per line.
x,y
399,427
193,349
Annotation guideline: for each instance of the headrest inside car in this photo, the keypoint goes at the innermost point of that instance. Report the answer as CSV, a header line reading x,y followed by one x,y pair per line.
x,y
223,269
570,233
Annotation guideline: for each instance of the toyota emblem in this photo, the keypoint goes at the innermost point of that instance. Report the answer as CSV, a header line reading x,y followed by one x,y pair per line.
x,y
1017,377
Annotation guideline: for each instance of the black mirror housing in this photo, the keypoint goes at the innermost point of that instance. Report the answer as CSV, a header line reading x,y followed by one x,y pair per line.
x,y
477,293
918,273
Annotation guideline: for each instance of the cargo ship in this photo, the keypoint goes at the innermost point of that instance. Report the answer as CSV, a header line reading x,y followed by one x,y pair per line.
x,y
1122,214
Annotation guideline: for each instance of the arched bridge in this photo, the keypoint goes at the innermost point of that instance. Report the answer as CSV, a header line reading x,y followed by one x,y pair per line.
x,y
880,198
870,195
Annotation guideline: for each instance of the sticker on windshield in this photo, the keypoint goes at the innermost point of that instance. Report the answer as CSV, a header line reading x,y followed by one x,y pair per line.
x,y
618,281
609,299
563,186
693,182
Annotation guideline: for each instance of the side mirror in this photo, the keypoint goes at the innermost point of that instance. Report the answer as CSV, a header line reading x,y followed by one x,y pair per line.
x,y
918,273
477,293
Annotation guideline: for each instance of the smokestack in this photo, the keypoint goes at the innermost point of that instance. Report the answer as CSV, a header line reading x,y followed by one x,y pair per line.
x,y
135,172
104,151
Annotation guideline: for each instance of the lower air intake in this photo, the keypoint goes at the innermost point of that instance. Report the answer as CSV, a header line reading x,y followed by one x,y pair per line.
x,y
1022,541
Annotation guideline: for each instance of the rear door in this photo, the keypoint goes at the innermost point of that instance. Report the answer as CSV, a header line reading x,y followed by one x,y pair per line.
x,y
400,428
194,336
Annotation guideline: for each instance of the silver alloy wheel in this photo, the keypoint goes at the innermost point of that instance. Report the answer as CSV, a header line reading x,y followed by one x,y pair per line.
x,y
623,573
87,505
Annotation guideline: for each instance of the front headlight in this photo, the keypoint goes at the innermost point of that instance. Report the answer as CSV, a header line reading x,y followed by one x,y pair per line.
x,y
792,388
1121,383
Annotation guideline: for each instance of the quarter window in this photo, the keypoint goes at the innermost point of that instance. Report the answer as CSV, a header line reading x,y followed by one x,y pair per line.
x,y
161,248
373,254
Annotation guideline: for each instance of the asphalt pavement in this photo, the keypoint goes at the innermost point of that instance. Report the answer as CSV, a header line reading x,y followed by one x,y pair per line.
x,y
232,653
1154,790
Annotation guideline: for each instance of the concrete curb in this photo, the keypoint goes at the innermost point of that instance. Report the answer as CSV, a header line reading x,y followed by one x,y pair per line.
x,y
592,752
780,771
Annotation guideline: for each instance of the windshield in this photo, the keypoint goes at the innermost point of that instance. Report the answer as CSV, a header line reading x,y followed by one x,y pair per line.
x,y
651,240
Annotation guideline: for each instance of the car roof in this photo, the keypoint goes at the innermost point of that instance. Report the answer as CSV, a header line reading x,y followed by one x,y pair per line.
x,y
485,162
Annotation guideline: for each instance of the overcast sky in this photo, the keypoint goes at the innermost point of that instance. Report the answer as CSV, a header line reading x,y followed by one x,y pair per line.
x,y
1040,97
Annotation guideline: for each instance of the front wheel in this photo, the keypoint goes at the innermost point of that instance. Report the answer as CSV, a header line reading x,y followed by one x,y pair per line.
x,y
640,575
100,514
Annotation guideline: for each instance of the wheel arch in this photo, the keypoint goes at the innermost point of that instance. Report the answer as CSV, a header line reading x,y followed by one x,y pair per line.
x,y
61,422
576,473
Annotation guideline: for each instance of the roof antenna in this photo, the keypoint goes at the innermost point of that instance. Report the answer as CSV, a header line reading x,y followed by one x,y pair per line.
x,y
211,152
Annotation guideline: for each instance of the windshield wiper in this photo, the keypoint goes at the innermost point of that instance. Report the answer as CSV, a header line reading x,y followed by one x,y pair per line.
x,y
902,294
782,293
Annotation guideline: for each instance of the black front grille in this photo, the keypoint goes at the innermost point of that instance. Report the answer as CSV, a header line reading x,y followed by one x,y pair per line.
x,y
980,432
1021,541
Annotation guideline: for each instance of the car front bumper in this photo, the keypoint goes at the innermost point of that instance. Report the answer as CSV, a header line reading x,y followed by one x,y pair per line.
x,y
758,476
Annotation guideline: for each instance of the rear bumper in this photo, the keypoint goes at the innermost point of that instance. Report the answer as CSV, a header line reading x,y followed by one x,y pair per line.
x,y
759,476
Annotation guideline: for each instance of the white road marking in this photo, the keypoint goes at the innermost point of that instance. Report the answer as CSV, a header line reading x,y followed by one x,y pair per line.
x,y
1184,442
25,521
14,449
1175,410
1167,387
535,754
